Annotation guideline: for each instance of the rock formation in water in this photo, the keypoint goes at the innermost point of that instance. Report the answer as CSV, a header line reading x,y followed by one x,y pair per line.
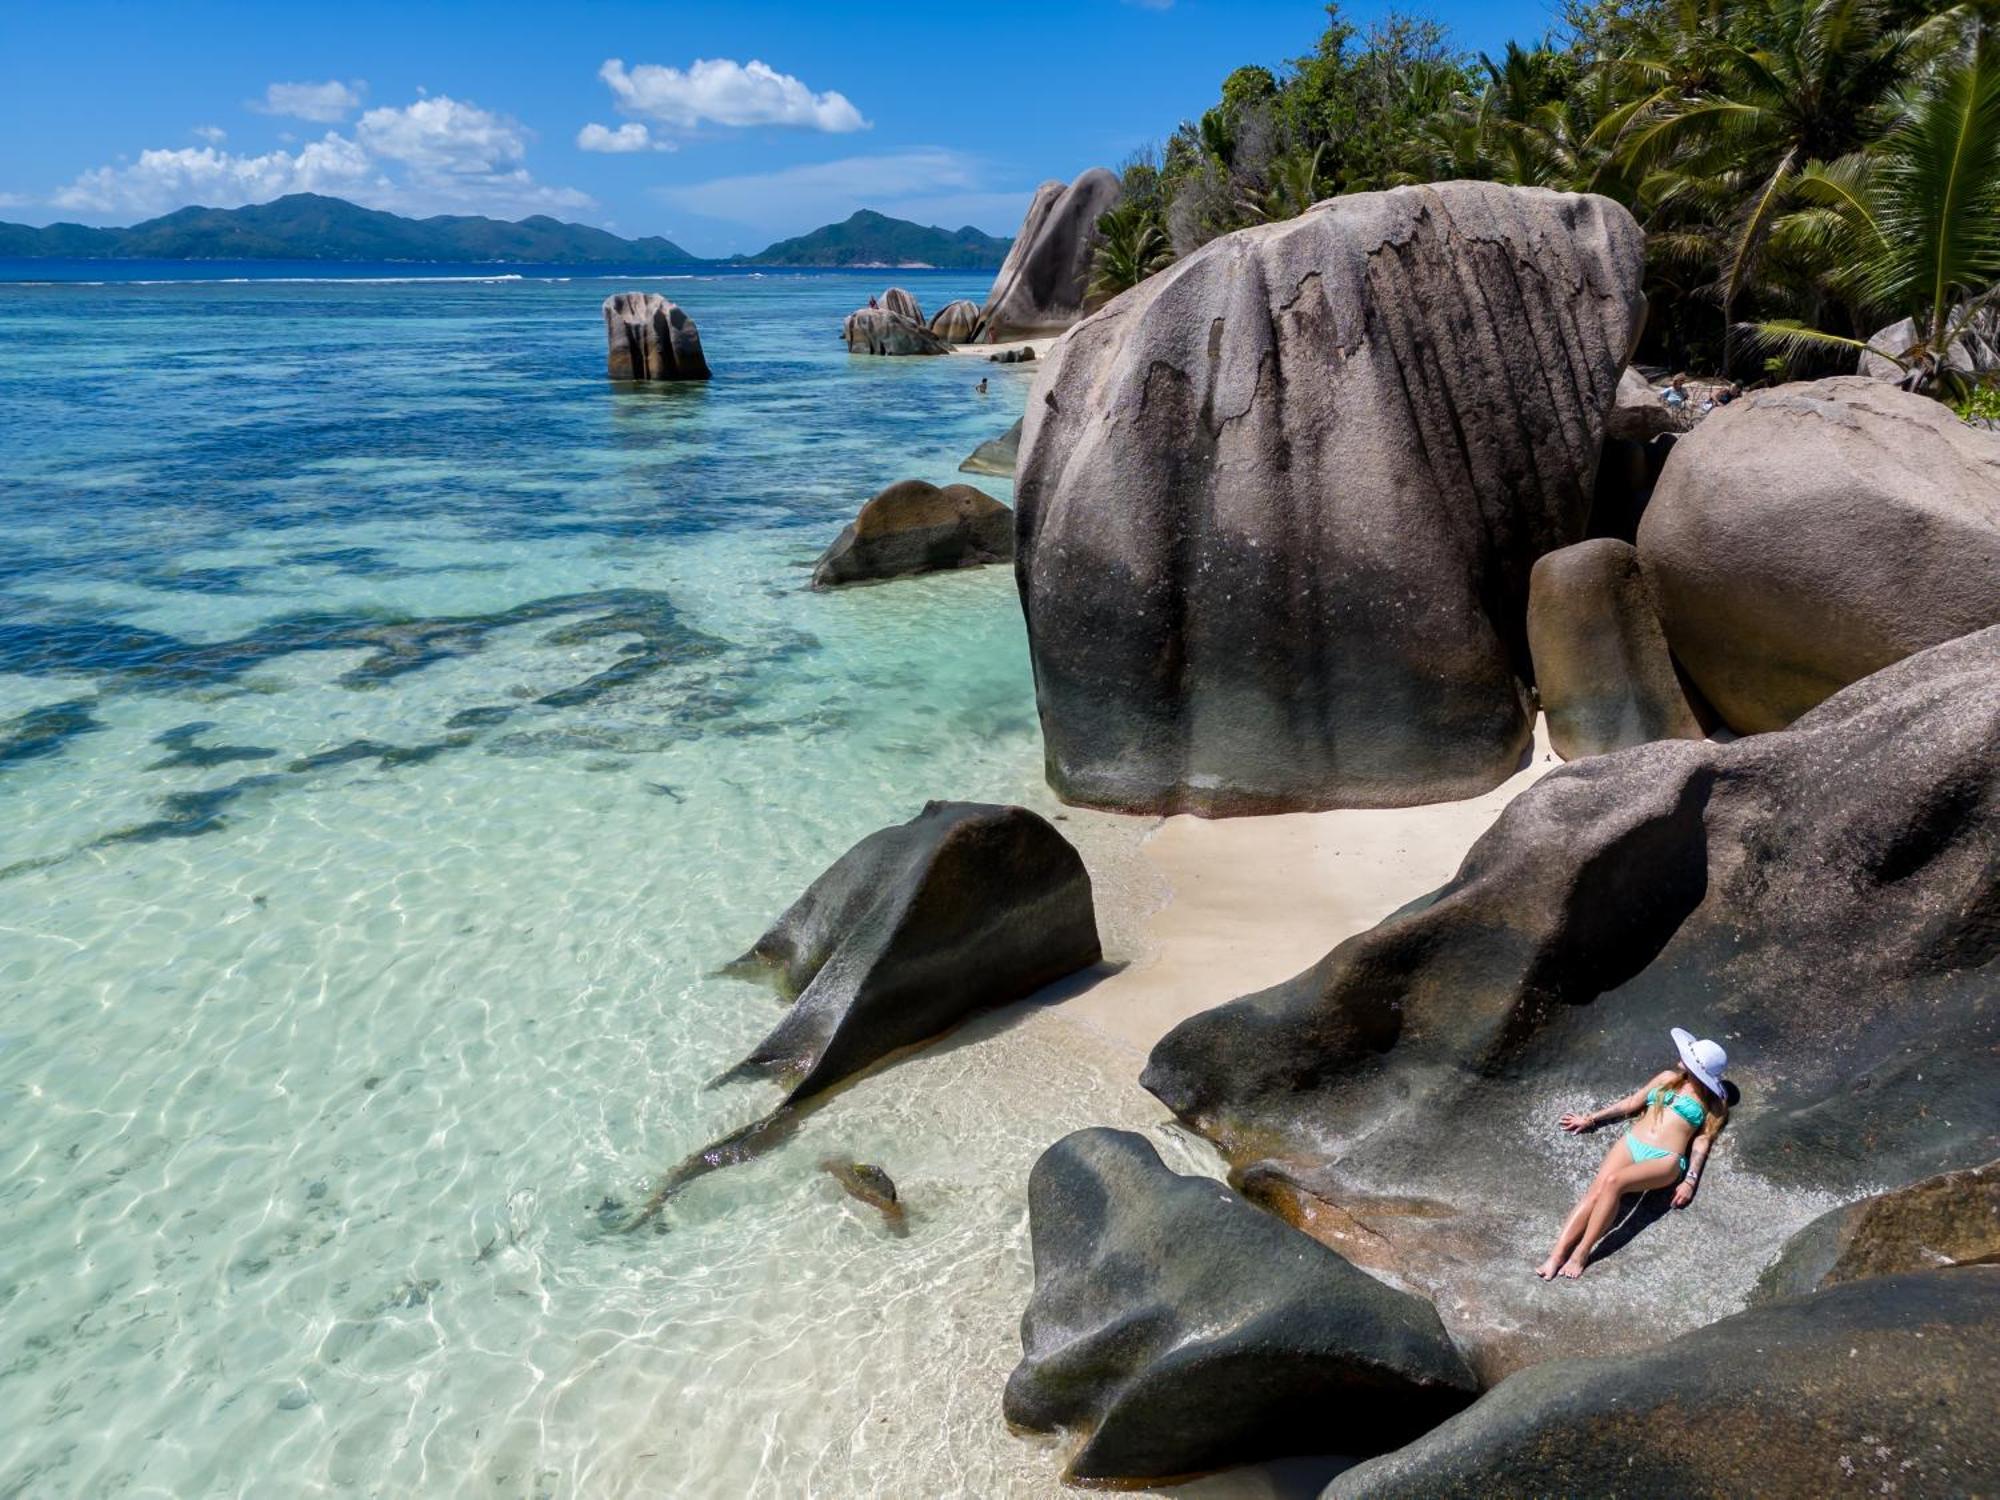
x,y
1041,285
651,338
1952,1219
995,455
1278,503
1826,898
1184,1330
965,907
869,1184
956,322
876,330
903,305
1884,1387
1810,534
915,527
1021,356
1602,669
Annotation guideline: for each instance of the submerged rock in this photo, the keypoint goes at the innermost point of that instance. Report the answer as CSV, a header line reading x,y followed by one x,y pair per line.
x,y
1808,535
995,455
956,322
1824,898
1882,1387
1602,669
868,1184
1278,503
1184,1330
876,330
651,338
1949,1220
903,305
1042,282
915,527
965,907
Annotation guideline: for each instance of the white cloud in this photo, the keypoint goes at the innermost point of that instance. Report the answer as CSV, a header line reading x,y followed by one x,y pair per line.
x,y
940,185
160,181
442,134
631,136
717,91
323,103
215,135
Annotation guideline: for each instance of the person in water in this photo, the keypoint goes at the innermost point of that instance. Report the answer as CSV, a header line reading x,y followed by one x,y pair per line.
x,y
1681,1111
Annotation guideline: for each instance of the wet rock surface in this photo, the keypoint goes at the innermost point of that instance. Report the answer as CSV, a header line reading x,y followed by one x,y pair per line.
x,y
1042,282
650,338
1881,1387
1952,1219
1810,534
915,527
1184,1330
995,456
1823,899
869,1184
1602,669
876,330
920,925
1279,503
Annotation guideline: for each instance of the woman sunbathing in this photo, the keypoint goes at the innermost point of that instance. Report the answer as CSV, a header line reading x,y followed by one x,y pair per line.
x,y
1681,1111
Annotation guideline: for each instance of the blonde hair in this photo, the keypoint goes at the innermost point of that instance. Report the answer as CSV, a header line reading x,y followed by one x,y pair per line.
x,y
1715,1102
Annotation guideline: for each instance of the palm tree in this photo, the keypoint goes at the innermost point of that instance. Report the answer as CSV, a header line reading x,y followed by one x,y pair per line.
x,y
1131,246
1292,185
1914,225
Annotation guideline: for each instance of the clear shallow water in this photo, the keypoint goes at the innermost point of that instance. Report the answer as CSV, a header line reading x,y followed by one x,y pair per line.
x,y
398,725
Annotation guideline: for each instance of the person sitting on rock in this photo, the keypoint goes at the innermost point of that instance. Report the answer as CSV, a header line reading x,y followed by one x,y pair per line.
x,y
872,302
1675,392
1681,1111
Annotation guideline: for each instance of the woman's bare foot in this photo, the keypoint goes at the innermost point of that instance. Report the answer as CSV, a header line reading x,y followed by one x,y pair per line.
x,y
1547,1269
1572,1268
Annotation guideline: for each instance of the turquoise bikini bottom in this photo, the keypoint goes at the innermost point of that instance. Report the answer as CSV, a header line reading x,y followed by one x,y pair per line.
x,y
1643,1152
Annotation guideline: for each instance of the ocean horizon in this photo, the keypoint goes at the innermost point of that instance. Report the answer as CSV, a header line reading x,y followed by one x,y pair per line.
x,y
111,270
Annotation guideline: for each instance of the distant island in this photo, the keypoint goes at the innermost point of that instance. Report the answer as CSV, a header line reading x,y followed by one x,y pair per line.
x,y
871,239
311,226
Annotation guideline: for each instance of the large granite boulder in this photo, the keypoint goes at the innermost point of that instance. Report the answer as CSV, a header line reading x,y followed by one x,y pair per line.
x,y
903,305
876,330
1042,282
1952,1219
915,527
1639,415
1810,534
996,455
1884,1387
1184,1330
1602,669
1825,899
964,907
650,338
1279,502
1978,353
956,322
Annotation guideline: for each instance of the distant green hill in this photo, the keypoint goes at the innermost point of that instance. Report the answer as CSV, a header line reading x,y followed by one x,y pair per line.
x,y
308,226
872,239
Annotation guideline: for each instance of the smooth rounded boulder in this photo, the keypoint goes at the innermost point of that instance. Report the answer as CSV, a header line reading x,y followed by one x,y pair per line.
x,y
903,305
1278,504
1046,275
1808,535
876,330
915,527
965,907
1183,1330
956,322
996,456
1952,1219
1602,669
650,338
1883,1387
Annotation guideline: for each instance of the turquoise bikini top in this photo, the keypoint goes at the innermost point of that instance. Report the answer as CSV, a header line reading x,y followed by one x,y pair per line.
x,y
1686,1106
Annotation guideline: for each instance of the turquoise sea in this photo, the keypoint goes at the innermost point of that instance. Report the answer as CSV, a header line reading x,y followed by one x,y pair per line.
x,y
399,724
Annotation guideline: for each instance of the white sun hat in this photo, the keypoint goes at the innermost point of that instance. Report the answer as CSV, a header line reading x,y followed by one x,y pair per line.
x,y
1704,1059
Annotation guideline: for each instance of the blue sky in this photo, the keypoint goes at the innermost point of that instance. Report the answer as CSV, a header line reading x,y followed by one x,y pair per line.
x,y
721,125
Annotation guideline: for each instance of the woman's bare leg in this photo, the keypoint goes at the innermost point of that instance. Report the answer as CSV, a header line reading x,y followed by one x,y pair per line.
x,y
1580,1215
1640,1177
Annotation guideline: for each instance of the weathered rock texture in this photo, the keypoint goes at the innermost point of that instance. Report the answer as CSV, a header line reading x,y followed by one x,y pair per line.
x,y
915,527
1041,285
1185,1330
995,455
1602,668
1639,415
903,305
1977,353
1808,535
1825,898
1880,1388
1952,1219
956,322
876,330
1278,503
964,907
651,338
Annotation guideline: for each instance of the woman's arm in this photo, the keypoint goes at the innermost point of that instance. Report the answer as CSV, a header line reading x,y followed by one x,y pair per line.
x,y
1698,1151
1618,1109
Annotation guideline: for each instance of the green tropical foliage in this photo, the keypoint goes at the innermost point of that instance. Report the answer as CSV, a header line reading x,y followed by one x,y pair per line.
x,y
1131,246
